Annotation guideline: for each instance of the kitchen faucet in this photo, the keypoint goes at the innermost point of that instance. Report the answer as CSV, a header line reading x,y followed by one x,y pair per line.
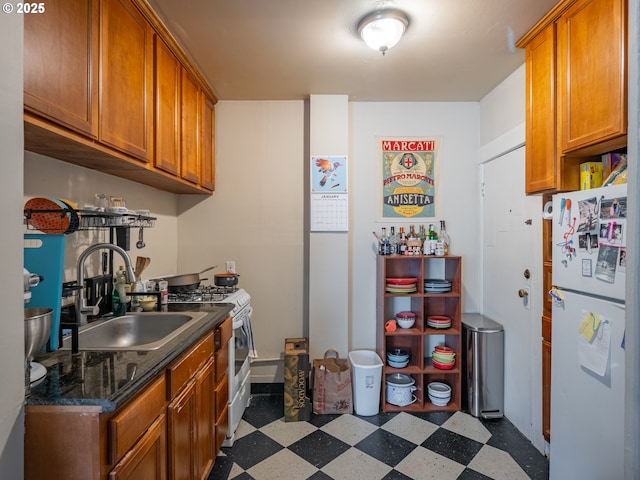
x,y
82,309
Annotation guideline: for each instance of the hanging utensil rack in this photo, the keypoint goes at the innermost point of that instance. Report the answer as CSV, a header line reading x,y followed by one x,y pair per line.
x,y
94,220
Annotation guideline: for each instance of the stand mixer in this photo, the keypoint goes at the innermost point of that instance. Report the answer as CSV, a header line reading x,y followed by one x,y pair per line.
x,y
37,328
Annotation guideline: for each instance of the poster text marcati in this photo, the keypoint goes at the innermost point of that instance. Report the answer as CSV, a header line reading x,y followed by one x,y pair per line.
x,y
408,178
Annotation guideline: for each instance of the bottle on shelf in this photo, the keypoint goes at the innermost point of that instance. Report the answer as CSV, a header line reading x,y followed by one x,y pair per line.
x,y
393,241
444,237
385,246
402,247
422,233
430,244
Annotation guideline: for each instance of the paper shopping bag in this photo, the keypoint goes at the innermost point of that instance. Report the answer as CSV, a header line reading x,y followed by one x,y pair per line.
x,y
332,385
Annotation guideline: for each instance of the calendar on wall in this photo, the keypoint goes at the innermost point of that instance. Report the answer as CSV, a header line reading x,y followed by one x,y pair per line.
x,y
329,195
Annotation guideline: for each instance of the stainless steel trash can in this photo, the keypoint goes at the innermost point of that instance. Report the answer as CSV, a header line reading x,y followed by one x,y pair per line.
x,y
483,366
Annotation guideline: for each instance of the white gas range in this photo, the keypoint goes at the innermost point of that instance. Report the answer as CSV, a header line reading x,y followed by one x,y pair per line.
x,y
241,347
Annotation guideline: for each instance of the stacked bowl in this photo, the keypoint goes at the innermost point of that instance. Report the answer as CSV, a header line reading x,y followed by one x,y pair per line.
x,y
405,319
443,357
439,393
397,358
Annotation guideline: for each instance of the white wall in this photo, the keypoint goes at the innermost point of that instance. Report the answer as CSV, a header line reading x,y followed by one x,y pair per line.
x,y
255,217
48,177
458,125
12,338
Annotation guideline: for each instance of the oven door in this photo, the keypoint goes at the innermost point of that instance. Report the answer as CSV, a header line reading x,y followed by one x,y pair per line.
x,y
240,347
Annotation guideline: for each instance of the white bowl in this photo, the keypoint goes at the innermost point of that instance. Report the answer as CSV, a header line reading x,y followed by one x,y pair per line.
x,y
439,389
405,322
393,364
439,402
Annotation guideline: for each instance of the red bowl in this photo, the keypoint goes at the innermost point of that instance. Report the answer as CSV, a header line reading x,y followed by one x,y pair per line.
x,y
406,314
443,366
401,281
443,349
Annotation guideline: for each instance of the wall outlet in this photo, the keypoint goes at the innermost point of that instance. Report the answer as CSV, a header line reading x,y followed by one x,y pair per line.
x,y
231,266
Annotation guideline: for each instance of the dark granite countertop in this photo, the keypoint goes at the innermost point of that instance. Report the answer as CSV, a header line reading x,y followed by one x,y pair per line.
x,y
109,378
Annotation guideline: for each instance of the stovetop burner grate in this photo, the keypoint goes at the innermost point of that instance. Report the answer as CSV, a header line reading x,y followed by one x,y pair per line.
x,y
203,294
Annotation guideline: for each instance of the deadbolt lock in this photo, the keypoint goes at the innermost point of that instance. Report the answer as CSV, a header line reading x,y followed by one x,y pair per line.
x,y
527,273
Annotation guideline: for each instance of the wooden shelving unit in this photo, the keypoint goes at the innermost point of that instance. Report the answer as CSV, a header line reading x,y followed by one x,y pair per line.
x,y
420,339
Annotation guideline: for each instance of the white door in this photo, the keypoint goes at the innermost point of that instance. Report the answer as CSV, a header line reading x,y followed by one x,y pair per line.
x,y
512,233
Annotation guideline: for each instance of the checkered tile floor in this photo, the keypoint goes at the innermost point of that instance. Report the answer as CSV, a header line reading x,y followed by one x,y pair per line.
x,y
387,446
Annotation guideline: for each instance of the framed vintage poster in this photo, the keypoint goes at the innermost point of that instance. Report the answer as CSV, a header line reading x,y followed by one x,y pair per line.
x,y
408,177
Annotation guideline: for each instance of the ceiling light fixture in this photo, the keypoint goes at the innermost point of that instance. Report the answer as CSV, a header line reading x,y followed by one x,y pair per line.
x,y
382,29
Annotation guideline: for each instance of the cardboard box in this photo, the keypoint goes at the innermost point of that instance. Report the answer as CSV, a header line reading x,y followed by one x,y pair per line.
x,y
297,404
609,162
590,175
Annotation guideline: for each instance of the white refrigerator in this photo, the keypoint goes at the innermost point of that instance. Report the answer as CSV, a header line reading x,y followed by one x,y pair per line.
x,y
588,324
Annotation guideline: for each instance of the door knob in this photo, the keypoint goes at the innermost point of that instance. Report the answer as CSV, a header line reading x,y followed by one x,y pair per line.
x,y
522,293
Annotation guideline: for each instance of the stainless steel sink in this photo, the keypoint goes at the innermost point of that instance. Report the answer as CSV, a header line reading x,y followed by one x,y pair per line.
x,y
136,331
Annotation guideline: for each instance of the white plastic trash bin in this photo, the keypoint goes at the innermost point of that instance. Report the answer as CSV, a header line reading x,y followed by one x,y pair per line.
x,y
366,368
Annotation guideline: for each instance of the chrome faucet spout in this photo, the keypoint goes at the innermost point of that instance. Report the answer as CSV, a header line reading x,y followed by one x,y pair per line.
x,y
82,309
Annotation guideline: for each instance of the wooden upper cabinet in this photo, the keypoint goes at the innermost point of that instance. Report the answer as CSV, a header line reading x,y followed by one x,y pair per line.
x,y
126,75
592,73
190,126
207,144
541,159
60,75
576,90
167,73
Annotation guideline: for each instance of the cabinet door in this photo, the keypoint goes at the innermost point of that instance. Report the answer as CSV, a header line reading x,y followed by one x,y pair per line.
x,y
205,420
182,447
60,64
541,163
147,459
592,73
167,108
190,112
126,76
207,144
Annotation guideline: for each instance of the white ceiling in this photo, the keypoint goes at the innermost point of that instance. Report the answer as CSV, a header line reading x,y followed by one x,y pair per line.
x,y
454,50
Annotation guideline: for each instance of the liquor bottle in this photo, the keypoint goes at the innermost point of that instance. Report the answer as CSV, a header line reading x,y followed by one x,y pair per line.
x,y
393,241
385,247
444,237
402,247
433,239
422,234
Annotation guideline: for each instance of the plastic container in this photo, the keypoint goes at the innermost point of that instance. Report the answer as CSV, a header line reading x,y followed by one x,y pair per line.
x,y
366,368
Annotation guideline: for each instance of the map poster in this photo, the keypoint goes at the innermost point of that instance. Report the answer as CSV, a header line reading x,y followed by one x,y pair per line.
x,y
408,180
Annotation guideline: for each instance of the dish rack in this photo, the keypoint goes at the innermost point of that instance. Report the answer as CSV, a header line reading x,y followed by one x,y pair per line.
x,y
91,219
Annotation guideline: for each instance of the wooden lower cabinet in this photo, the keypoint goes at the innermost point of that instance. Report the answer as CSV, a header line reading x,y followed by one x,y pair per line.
x,y
148,459
182,436
205,415
171,429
